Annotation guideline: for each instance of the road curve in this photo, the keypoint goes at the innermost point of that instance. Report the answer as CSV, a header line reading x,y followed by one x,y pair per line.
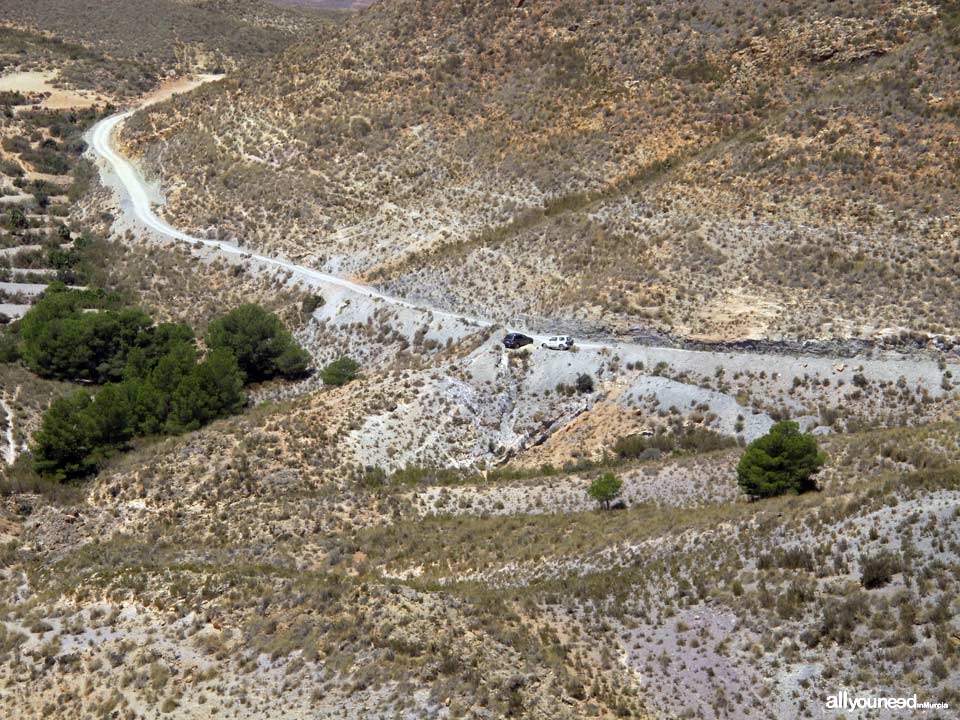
x,y
102,137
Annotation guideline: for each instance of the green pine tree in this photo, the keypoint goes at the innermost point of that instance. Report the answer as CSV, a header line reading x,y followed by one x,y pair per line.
x,y
784,460
63,445
257,338
605,489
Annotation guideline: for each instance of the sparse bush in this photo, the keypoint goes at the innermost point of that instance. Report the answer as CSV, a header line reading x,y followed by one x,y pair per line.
x,y
372,477
689,439
422,475
311,303
938,668
788,559
11,168
877,570
840,618
791,601
631,446
340,372
584,383
16,219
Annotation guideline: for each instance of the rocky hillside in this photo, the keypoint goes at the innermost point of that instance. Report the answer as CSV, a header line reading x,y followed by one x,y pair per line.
x,y
418,541
772,169
269,566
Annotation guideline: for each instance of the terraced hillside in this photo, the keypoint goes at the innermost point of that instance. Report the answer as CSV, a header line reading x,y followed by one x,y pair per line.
x,y
723,172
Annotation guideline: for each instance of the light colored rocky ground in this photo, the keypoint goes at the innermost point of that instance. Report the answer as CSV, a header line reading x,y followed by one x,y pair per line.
x,y
272,565
183,546
687,627
511,402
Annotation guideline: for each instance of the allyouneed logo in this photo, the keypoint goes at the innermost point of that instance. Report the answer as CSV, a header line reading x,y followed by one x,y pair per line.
x,y
845,701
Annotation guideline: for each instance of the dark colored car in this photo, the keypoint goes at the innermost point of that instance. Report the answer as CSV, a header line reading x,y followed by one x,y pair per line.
x,y
516,340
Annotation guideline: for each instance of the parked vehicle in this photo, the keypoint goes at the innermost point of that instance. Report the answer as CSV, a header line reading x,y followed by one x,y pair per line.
x,y
558,342
516,340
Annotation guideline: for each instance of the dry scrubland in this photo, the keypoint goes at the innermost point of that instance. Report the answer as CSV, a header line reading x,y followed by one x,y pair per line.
x,y
719,170
251,569
303,560
59,71
418,543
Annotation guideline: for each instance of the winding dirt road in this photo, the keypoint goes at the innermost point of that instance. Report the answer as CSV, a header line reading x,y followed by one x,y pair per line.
x,y
134,187
136,204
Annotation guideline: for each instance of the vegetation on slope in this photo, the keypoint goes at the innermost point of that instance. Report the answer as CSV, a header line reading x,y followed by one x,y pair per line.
x,y
255,569
154,380
782,461
257,339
